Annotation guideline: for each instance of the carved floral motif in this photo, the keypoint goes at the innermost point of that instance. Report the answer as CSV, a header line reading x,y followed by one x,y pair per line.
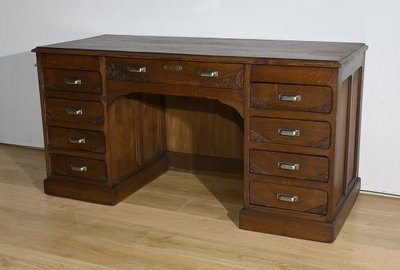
x,y
254,136
255,103
324,143
255,169
232,80
320,210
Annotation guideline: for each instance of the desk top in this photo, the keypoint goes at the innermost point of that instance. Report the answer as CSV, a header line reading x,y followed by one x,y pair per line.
x,y
328,54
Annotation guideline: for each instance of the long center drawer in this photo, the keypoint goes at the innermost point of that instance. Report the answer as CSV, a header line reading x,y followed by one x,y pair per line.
x,y
215,75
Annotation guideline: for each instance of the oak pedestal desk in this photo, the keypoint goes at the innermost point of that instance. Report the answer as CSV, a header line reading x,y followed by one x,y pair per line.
x,y
118,111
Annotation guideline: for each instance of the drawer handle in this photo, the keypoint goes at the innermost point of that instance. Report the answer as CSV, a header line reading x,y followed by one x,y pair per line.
x,y
136,69
208,73
289,132
77,140
287,198
72,81
74,111
291,98
79,168
289,166
172,67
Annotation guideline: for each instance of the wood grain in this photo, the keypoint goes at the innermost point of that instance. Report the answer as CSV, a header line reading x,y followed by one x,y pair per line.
x,y
199,126
60,138
70,61
179,221
96,169
315,53
312,98
54,80
123,142
310,167
311,134
230,76
92,116
309,200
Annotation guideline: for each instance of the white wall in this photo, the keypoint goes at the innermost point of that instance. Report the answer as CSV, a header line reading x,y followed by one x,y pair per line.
x,y
26,24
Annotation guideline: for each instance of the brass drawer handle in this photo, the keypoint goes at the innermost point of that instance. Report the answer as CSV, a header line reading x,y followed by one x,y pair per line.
x,y
136,69
289,166
72,81
79,168
77,140
74,111
289,132
287,198
290,98
172,67
208,73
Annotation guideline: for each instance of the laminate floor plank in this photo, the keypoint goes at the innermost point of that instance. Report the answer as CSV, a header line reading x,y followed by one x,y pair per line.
x,y
179,221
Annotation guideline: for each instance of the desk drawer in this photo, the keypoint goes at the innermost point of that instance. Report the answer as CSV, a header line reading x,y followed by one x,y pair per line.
x,y
76,139
306,167
78,167
214,75
294,75
72,81
288,197
291,97
66,61
74,113
291,132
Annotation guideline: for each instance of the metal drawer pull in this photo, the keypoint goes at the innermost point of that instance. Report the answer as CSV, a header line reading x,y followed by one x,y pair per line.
x,y
287,198
289,132
77,140
289,166
74,111
172,67
291,98
136,69
78,168
72,81
208,73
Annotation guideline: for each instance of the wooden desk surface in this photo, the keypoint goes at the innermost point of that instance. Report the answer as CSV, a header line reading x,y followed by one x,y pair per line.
x,y
328,54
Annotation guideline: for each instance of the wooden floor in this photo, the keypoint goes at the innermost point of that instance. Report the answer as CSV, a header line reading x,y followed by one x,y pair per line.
x,y
179,221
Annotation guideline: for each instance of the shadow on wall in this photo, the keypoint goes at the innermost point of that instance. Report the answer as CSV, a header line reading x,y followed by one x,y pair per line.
x,y
20,117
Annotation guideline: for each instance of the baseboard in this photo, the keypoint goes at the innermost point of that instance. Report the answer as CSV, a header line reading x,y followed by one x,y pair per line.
x,y
383,194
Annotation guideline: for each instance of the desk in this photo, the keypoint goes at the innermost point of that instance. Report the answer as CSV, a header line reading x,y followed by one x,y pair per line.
x,y
118,111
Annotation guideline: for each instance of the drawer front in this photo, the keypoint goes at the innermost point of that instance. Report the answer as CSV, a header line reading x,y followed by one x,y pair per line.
x,y
306,167
76,139
293,75
66,61
72,81
288,197
74,113
215,75
306,98
78,167
291,132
